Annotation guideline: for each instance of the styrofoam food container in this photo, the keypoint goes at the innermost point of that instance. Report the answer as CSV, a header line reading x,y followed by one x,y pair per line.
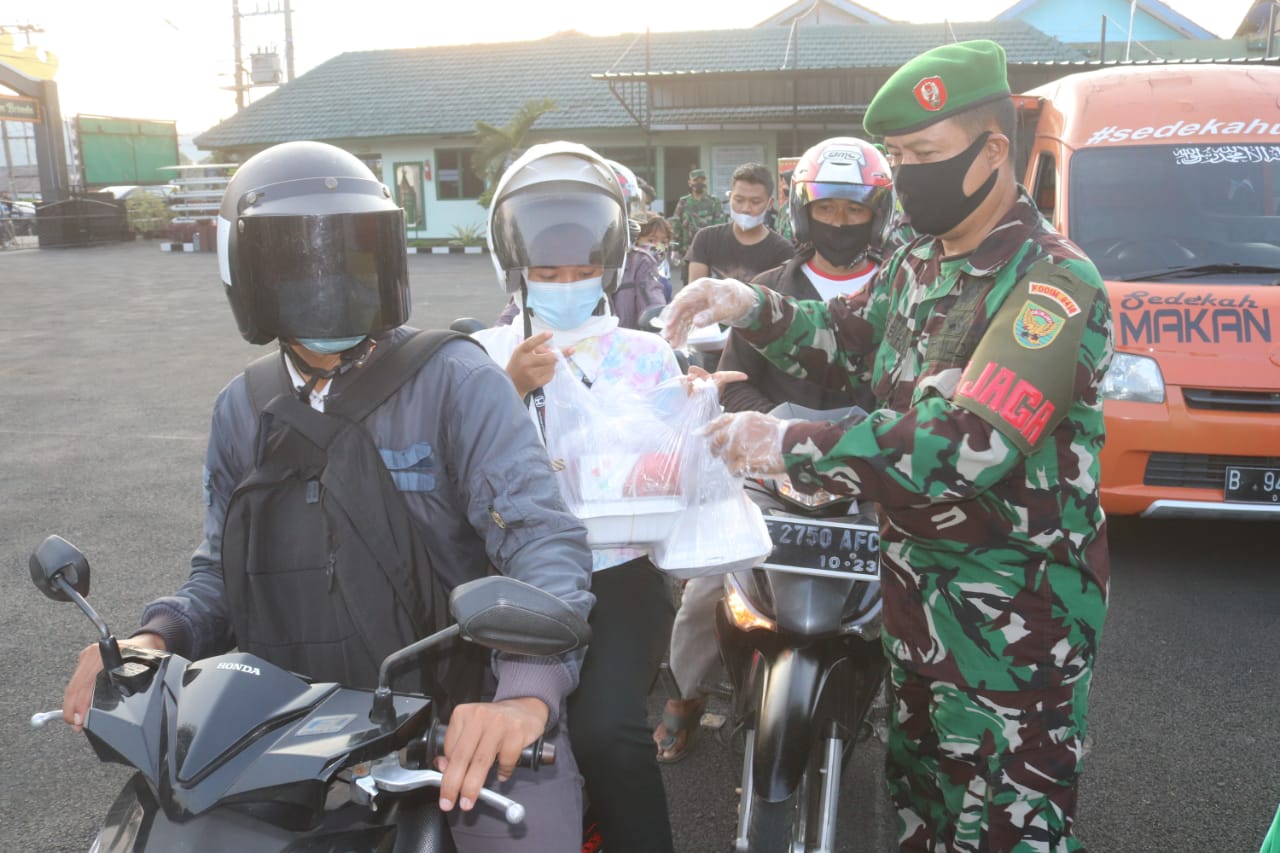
x,y
714,538
707,338
630,521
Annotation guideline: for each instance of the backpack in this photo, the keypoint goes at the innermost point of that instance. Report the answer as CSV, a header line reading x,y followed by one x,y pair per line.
x,y
325,570
630,299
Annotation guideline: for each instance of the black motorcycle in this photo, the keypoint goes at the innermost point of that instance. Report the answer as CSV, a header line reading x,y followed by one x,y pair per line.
x,y
799,636
234,753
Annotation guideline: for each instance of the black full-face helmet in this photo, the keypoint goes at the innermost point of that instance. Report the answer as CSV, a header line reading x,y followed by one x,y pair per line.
x,y
311,245
559,204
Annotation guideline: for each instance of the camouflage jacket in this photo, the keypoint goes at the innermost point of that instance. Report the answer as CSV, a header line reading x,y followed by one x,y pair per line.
x,y
694,214
994,561
784,227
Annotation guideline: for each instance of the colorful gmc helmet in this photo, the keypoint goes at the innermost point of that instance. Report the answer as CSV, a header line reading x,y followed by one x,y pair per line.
x,y
843,167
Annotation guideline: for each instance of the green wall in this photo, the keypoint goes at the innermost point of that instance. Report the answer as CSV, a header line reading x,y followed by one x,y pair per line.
x,y
126,151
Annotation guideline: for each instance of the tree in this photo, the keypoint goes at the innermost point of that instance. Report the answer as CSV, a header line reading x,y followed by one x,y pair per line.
x,y
498,147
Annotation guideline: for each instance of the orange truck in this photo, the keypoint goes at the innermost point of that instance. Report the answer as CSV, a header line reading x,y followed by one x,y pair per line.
x,y
1168,177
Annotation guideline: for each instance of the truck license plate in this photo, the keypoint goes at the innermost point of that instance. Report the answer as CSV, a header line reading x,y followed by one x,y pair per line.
x,y
1252,485
823,547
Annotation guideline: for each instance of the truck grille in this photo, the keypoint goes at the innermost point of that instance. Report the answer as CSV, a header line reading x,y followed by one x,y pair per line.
x,y
1198,470
1232,401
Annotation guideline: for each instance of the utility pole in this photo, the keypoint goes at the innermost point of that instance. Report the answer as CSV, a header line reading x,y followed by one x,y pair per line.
x,y
25,29
284,8
235,18
288,40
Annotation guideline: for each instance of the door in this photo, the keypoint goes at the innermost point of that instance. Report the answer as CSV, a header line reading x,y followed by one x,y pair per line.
x,y
678,161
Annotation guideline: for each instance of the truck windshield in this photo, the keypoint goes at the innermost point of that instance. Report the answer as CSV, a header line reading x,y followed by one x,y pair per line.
x,y
1210,212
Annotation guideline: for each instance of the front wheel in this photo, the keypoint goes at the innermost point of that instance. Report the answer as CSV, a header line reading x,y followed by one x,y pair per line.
x,y
772,825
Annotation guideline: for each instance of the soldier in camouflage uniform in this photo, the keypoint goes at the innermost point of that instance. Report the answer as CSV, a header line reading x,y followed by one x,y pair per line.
x,y
696,211
986,340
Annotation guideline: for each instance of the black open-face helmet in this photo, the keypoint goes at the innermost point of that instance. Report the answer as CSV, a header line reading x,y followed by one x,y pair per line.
x,y
560,204
311,245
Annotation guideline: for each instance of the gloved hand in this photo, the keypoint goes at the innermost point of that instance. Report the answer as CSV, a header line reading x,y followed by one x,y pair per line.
x,y
749,443
720,378
707,301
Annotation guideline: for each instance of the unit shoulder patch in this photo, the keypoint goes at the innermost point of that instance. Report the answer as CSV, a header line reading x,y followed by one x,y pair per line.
x,y
1021,378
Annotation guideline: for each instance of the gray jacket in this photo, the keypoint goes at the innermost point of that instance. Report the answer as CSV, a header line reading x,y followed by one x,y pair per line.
x,y
460,445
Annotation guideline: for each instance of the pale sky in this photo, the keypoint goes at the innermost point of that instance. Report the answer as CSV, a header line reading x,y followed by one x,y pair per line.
x,y
168,59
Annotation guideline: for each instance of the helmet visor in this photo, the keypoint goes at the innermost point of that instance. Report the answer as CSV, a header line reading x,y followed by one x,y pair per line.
x,y
332,276
551,229
864,194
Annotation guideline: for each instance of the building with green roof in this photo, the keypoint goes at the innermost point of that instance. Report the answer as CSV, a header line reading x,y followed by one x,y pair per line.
x,y
659,103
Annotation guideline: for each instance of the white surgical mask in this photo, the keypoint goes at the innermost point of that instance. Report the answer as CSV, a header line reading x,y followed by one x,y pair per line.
x,y
565,306
330,346
746,221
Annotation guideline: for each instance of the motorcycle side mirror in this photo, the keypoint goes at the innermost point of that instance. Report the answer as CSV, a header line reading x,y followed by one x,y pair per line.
x,y
61,572
645,321
468,325
56,565
496,612
512,616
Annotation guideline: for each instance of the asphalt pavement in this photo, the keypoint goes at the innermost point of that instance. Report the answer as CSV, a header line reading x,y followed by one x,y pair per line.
x,y
112,357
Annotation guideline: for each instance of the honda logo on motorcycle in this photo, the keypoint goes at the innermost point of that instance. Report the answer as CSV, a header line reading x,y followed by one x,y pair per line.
x,y
240,667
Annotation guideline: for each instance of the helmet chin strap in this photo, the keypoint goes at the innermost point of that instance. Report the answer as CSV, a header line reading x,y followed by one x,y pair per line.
x,y
350,358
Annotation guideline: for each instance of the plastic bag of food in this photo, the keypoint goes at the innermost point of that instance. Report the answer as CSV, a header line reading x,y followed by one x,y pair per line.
x,y
720,530
617,455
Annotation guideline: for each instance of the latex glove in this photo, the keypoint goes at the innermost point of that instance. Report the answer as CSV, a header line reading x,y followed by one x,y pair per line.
x,y
482,734
749,443
720,378
706,301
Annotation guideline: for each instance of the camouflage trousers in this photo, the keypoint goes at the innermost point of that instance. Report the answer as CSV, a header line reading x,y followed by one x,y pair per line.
x,y
981,770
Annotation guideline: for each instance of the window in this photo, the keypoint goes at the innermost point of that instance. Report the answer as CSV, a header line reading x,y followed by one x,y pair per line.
x,y
1138,210
20,143
374,162
454,178
1046,186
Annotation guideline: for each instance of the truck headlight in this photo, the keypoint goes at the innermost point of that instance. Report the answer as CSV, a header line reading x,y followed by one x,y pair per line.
x,y
1135,378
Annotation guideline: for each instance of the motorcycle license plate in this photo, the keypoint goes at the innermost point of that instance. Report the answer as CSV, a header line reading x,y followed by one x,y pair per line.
x,y
823,547
1252,485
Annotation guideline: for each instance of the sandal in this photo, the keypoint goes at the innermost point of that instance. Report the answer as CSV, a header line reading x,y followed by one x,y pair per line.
x,y
676,734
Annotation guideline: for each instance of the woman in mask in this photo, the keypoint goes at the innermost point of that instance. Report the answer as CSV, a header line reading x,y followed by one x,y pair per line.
x,y
559,239
645,285
841,207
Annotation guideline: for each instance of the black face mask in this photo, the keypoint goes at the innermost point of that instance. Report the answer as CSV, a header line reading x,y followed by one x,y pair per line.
x,y
933,193
841,245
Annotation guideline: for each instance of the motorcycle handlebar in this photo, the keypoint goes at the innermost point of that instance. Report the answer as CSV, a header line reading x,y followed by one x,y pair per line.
x,y
532,756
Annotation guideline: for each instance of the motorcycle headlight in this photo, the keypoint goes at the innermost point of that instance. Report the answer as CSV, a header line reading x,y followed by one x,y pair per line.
x,y
813,501
1134,378
744,616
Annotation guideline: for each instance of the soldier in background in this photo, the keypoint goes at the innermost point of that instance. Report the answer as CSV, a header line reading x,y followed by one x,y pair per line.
x,y
695,211
988,337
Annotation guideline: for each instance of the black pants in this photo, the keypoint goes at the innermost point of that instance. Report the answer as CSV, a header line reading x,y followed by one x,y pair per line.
x,y
608,714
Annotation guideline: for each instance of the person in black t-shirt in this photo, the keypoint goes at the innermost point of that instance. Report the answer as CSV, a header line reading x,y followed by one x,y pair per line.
x,y
744,247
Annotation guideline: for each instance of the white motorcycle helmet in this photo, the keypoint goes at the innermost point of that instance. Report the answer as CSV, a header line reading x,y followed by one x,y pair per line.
x,y
559,204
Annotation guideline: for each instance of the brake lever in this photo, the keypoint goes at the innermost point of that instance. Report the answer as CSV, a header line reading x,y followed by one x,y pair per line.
x,y
389,776
39,721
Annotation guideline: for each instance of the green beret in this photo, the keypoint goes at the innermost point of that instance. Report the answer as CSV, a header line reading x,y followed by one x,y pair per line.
x,y
938,84
697,173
